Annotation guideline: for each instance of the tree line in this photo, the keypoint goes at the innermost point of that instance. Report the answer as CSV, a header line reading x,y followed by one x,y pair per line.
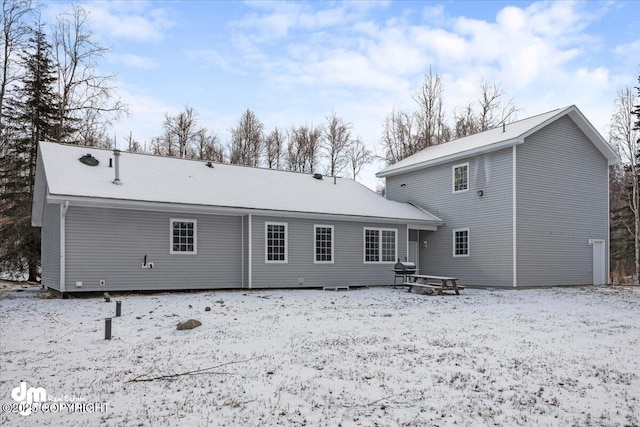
x,y
329,148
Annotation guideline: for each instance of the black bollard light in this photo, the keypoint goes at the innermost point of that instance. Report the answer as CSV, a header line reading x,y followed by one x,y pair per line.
x,y
118,308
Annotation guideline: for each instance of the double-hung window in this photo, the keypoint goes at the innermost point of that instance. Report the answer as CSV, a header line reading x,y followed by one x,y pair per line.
x,y
276,242
461,242
380,245
323,244
184,236
460,178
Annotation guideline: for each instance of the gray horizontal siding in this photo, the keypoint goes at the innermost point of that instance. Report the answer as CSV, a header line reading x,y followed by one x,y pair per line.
x,y
489,218
562,202
110,244
348,267
50,246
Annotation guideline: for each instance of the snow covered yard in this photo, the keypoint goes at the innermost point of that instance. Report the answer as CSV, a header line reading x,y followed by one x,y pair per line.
x,y
369,357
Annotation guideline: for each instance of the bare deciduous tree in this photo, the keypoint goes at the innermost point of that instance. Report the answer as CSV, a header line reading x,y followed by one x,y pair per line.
x,y
336,138
208,147
275,148
625,135
247,142
399,136
303,149
182,130
82,91
489,111
15,31
433,129
358,156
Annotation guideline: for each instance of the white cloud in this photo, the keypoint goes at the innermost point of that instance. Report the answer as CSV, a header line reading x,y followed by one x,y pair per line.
x,y
136,21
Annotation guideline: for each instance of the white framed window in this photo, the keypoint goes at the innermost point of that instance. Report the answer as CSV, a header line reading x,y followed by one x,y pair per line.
x,y
275,242
460,177
323,244
461,242
183,236
380,245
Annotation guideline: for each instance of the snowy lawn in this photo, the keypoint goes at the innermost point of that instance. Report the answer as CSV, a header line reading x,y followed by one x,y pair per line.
x,y
377,356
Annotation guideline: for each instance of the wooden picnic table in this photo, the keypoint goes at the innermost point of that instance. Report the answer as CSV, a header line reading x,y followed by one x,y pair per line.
x,y
446,283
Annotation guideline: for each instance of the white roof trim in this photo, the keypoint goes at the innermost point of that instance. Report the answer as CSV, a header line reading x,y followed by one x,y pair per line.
x,y
452,157
221,210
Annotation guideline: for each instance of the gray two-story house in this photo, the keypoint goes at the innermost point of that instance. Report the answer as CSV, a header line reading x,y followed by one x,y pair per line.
x,y
525,204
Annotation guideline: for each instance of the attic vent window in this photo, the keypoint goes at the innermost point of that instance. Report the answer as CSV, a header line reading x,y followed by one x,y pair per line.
x,y
89,160
317,175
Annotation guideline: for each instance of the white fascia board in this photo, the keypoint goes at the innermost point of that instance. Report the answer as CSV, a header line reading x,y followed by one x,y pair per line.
x,y
223,210
422,227
452,157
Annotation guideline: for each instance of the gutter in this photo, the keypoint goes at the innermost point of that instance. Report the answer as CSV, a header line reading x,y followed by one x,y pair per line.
x,y
63,226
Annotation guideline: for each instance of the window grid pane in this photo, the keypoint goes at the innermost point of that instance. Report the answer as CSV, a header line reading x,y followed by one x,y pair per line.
x,y
372,245
462,242
461,178
276,242
323,244
183,236
388,246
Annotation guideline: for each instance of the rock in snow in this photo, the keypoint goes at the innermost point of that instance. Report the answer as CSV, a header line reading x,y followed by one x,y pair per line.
x,y
189,324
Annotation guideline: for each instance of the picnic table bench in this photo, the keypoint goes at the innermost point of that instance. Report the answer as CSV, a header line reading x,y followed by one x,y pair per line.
x,y
431,282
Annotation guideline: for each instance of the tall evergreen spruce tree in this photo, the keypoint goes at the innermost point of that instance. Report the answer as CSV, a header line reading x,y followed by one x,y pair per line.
x,y
31,118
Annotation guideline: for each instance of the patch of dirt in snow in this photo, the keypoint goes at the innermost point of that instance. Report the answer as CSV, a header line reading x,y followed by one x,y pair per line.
x,y
369,357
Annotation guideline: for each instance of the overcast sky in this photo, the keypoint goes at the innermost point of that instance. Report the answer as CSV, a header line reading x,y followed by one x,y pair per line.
x,y
293,63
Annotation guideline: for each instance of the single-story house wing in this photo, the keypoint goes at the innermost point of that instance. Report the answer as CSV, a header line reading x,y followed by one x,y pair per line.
x,y
115,221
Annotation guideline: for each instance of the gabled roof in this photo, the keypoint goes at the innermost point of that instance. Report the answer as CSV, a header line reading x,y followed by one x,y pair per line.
x,y
164,183
495,139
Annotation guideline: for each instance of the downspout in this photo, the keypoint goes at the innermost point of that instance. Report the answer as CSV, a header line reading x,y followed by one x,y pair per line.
x,y
63,215
242,252
515,241
249,255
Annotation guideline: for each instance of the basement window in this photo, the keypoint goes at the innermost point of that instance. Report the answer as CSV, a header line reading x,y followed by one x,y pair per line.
x,y
183,236
461,178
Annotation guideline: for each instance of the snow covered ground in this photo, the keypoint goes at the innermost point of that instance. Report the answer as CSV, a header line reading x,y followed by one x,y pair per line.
x,y
378,356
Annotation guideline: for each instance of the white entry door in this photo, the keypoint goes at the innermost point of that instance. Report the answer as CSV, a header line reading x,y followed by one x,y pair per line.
x,y
414,255
599,262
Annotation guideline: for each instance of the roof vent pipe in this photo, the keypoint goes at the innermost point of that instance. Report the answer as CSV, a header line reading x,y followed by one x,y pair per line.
x,y
503,127
116,161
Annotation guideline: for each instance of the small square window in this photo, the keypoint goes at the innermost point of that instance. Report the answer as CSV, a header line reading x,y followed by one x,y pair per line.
x,y
183,236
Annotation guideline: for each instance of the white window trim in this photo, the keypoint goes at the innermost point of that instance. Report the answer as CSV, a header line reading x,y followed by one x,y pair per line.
x,y
364,245
453,178
468,242
195,236
333,244
266,243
